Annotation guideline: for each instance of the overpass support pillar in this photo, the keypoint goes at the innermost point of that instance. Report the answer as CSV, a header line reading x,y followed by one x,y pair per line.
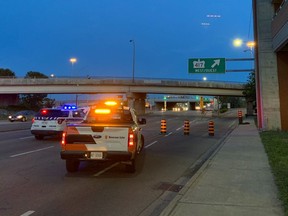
x,y
136,101
191,106
266,74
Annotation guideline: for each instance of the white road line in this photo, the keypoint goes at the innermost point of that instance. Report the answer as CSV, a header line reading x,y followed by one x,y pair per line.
x,y
232,124
168,134
106,169
29,152
150,144
28,213
179,128
26,137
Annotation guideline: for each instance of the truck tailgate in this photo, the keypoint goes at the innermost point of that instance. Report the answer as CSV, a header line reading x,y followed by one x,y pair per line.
x,y
98,138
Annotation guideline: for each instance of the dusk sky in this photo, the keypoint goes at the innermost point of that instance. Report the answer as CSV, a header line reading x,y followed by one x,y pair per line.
x,y
42,35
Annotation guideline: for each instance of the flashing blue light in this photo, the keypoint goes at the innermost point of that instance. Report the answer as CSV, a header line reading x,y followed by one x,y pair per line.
x,y
69,107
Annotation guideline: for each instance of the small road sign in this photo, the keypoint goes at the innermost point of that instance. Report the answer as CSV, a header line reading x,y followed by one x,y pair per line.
x,y
207,65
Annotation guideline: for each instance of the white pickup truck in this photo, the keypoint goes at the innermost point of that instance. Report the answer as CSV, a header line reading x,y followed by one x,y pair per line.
x,y
109,132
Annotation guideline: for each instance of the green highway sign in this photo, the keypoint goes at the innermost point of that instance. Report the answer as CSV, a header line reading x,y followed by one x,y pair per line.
x,y
207,65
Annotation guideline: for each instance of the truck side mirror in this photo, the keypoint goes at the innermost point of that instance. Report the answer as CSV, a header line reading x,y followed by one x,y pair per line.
x,y
142,121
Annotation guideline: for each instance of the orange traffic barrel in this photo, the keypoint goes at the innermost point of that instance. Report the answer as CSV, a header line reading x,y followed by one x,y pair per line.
x,y
211,128
240,117
163,126
186,127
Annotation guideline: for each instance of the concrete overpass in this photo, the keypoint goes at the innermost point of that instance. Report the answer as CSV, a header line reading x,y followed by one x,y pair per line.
x,y
118,85
135,90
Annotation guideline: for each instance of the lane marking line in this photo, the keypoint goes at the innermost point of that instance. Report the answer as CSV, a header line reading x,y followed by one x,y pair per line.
x,y
28,213
106,169
179,128
150,144
232,124
26,137
29,152
168,134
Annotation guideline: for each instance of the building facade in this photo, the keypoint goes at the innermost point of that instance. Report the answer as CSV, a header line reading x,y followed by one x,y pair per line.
x,y
271,55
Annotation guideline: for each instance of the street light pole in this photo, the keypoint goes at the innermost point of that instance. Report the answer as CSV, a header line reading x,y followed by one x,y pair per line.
x,y
73,61
133,64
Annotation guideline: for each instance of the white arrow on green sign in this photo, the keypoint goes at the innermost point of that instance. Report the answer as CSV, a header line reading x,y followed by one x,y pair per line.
x,y
207,65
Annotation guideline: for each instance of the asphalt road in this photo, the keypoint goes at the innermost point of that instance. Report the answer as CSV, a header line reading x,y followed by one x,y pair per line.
x,y
34,181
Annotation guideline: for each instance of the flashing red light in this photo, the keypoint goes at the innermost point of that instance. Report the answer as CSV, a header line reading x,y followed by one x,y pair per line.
x,y
44,111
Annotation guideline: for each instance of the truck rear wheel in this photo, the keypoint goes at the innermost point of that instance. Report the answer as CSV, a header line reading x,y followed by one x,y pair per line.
x,y
131,168
142,143
39,137
72,165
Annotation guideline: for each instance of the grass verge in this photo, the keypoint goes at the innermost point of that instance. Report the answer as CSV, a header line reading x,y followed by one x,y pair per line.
x,y
276,146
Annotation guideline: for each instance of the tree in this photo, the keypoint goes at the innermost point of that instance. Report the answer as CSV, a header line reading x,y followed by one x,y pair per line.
x,y
36,101
250,93
8,99
49,103
235,102
6,73
32,101
34,74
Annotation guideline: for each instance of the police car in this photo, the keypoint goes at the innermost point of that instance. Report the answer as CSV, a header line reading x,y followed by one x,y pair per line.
x,y
52,121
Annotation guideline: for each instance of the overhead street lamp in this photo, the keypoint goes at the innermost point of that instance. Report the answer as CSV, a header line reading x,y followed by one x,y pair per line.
x,y
133,60
73,61
239,43
250,45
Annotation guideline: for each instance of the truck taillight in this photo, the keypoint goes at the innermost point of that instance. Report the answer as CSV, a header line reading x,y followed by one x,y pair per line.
x,y
131,139
63,141
33,120
131,143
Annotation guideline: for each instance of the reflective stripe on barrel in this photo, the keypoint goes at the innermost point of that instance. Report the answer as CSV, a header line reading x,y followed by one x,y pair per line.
x,y
211,128
240,117
186,127
163,126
